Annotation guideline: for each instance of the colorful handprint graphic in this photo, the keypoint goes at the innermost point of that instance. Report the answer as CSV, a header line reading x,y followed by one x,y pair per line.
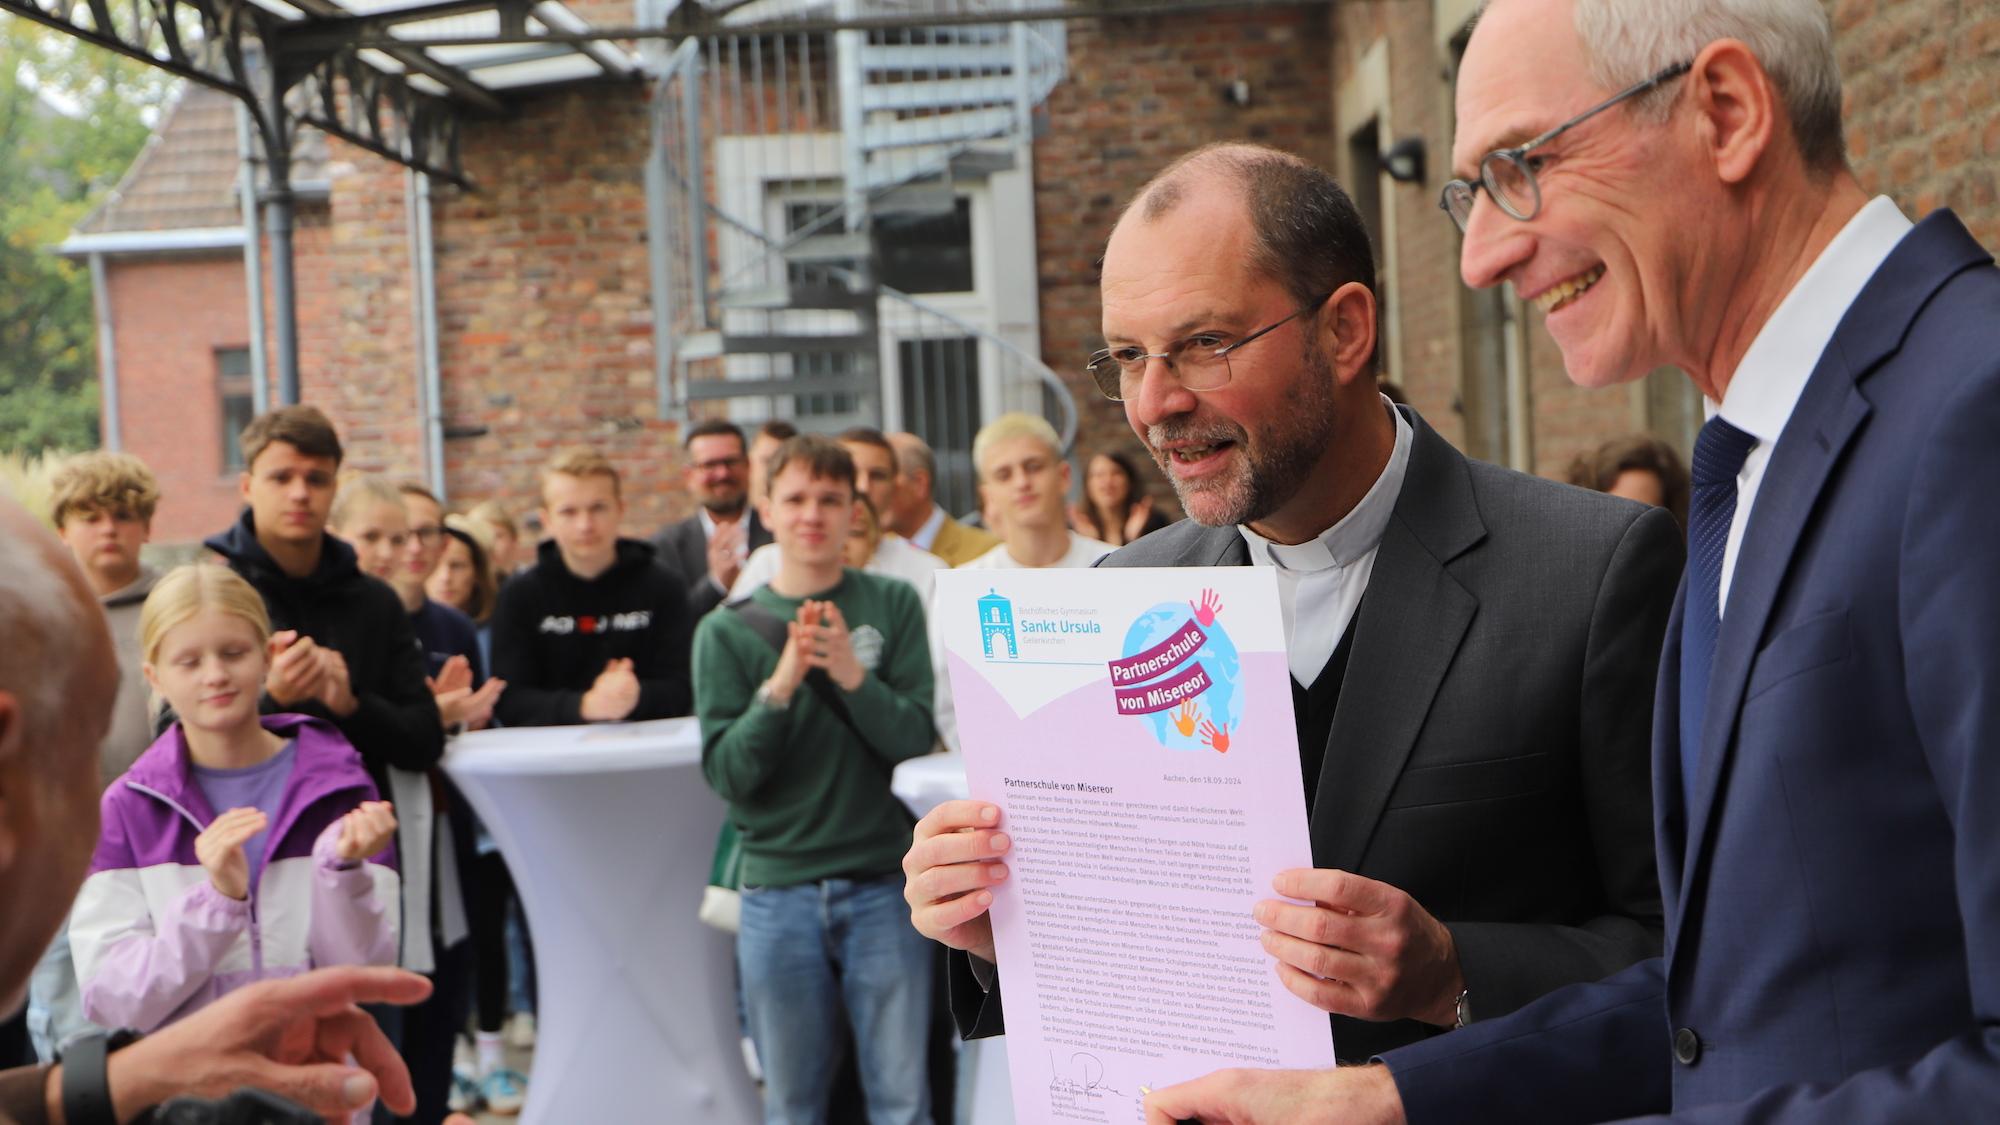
x,y
1209,607
1214,737
1184,719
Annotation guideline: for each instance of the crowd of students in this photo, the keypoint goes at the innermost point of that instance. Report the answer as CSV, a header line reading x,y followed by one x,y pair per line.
x,y
273,800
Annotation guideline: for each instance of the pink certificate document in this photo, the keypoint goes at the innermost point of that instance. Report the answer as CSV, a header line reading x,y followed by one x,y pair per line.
x,y
1135,727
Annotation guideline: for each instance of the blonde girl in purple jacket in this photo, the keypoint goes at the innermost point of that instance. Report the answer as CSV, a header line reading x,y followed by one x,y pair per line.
x,y
240,846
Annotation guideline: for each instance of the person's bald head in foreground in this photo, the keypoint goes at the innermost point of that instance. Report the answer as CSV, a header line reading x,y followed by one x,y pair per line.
x,y
58,675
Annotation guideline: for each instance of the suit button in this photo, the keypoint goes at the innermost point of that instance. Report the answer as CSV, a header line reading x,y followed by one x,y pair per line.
x,y
1687,1046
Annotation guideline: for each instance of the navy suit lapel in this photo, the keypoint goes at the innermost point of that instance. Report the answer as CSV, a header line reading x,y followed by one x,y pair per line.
x,y
1826,420
1409,627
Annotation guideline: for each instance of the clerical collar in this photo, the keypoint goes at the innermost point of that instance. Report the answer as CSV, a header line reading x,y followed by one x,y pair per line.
x,y
1358,532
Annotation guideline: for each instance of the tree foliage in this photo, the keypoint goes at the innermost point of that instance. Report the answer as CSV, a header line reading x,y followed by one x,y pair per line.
x,y
72,117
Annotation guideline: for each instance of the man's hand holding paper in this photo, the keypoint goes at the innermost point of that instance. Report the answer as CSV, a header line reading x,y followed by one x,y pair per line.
x,y
1363,949
953,861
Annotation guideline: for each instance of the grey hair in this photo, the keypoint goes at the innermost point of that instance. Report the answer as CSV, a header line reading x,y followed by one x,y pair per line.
x,y
41,636
1629,41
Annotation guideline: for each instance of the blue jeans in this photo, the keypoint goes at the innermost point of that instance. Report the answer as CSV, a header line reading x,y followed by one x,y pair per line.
x,y
818,960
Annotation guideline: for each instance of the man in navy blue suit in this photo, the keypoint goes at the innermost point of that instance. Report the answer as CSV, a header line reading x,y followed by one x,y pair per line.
x,y
1668,181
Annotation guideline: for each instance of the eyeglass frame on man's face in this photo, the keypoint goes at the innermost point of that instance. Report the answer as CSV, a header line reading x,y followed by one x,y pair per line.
x,y
1177,351
1468,190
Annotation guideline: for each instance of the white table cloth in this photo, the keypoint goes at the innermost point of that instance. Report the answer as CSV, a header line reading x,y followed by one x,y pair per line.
x,y
608,831
923,784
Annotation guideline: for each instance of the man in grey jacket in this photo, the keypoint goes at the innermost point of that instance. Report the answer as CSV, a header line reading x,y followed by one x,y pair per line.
x,y
1472,649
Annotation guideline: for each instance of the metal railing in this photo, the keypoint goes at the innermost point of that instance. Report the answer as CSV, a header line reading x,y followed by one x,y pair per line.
x,y
774,156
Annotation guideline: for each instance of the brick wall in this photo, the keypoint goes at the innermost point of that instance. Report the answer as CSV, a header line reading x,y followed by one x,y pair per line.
x,y
544,293
1921,78
169,316
1142,91
543,302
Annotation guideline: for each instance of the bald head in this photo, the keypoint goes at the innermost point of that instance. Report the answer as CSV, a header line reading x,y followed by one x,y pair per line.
x,y
49,617
916,475
57,679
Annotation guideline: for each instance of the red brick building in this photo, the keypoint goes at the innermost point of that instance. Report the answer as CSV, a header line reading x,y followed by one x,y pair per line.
x,y
545,296
167,259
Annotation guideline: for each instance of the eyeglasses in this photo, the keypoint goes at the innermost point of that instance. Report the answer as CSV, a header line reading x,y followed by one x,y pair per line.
x,y
1200,362
717,463
428,534
1509,176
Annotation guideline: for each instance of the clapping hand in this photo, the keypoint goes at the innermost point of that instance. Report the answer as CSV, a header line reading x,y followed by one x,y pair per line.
x,y
456,675
365,831
220,850
614,693
296,671
829,645
334,689
725,561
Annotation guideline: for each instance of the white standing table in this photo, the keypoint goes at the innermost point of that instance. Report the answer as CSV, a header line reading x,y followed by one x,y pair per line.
x,y
923,784
609,830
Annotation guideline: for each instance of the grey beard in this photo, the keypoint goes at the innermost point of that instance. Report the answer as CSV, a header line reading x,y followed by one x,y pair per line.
x,y
1273,469
727,509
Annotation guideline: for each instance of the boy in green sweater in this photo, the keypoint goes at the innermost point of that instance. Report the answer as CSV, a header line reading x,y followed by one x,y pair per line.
x,y
800,737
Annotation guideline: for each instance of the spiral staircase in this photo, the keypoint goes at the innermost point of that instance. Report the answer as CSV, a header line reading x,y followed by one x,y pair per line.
x,y
791,167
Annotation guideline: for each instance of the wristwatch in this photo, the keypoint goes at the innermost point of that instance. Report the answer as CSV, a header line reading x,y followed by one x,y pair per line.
x,y
766,699
86,1083
1461,1011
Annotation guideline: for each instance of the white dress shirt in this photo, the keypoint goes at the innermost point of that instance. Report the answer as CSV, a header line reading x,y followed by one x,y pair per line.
x,y
1773,373
1083,551
927,534
1320,581
894,557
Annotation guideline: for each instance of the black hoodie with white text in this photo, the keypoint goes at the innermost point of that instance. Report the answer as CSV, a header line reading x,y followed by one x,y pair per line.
x,y
553,633
395,722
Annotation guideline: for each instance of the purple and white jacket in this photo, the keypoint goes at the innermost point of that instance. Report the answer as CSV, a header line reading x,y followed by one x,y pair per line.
x,y
152,937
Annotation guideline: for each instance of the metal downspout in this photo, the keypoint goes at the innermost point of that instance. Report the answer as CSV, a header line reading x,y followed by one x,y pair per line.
x,y
424,251
253,260
660,266
107,355
278,225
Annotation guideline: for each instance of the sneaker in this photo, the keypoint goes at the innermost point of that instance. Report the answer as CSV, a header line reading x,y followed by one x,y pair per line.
x,y
464,1096
504,1091
521,1031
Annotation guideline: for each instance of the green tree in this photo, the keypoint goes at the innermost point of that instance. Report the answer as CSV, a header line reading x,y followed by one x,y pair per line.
x,y
72,117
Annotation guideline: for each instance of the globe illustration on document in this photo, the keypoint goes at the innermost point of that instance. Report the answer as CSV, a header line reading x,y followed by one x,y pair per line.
x,y
1211,718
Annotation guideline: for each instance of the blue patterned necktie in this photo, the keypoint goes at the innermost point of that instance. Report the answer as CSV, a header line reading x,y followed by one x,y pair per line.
x,y
1718,457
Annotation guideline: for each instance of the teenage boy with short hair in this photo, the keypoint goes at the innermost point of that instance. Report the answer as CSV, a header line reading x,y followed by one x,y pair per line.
x,y
895,557
349,657
1023,475
809,692
597,629
352,659
102,504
